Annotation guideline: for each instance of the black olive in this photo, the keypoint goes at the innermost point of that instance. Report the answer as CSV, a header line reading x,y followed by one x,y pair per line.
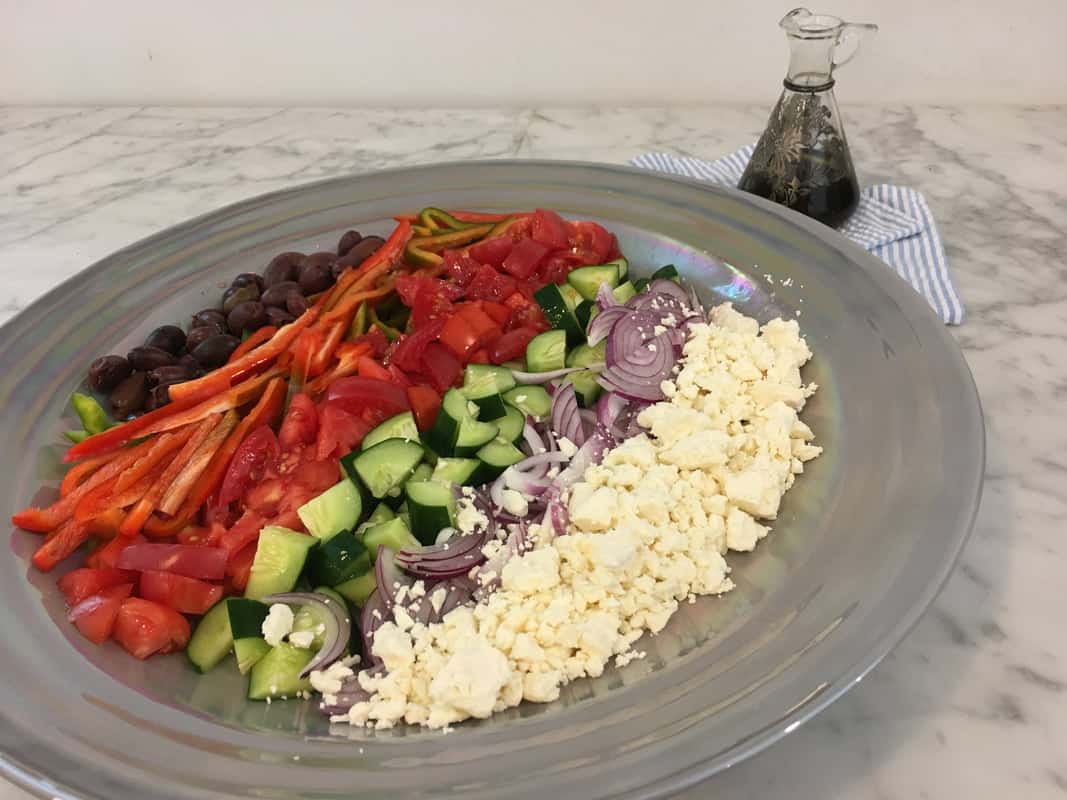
x,y
129,396
349,240
249,316
282,267
215,350
236,295
277,294
167,337
107,372
146,358
208,316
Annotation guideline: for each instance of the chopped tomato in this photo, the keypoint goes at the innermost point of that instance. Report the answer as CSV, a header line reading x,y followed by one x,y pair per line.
x,y
443,368
78,584
187,595
355,394
488,284
460,266
243,533
549,229
107,555
240,567
301,423
480,356
249,464
181,559
266,496
398,377
339,432
492,251
512,345
498,312
459,337
428,298
409,350
525,258
592,242
376,339
318,476
529,316
425,403
144,628
369,368
192,534
95,616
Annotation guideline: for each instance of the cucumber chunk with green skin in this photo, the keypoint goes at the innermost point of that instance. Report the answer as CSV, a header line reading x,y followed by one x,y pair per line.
x,y
422,472
474,435
212,639
584,354
394,534
588,280
432,507
641,284
277,673
358,589
666,272
381,513
458,471
337,509
547,351
401,426
511,425
249,651
490,407
280,557
586,387
387,465
570,296
495,457
624,291
622,265
482,384
532,400
442,435
584,312
311,618
246,624
335,561
559,311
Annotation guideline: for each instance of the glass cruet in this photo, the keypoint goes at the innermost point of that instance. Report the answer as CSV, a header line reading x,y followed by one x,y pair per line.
x,y
802,159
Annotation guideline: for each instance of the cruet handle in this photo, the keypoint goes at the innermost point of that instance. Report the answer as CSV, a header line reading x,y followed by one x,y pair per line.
x,y
849,41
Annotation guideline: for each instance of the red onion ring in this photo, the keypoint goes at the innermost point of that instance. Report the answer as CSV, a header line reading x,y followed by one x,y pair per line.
x,y
336,620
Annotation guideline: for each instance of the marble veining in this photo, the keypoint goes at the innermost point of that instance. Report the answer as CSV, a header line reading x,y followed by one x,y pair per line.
x,y
974,702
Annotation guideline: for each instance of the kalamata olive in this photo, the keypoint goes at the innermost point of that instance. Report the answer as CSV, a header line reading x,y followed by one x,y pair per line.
x,y
349,240
165,376
192,367
276,294
250,316
107,372
315,277
248,279
236,295
146,358
278,316
358,254
199,334
296,304
209,315
282,267
129,396
157,397
215,350
167,337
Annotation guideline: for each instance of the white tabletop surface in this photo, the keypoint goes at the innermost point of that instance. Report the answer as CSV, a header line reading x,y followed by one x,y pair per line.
x,y
973,704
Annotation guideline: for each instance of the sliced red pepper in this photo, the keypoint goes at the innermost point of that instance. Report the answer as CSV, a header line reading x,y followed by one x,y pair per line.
x,y
106,525
81,471
348,356
388,254
331,340
424,251
483,216
425,403
369,368
161,447
257,338
241,534
346,308
63,541
183,483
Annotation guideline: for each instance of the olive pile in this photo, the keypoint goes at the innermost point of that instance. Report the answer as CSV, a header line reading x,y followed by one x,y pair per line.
x,y
139,381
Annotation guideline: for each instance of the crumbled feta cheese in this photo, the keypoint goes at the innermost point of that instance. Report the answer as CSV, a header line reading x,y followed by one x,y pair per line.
x,y
331,679
515,503
649,528
567,447
302,639
277,624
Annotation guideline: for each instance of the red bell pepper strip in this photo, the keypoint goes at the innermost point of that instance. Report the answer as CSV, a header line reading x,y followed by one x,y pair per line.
x,y
224,377
161,447
106,525
388,254
484,216
320,358
266,412
183,483
260,336
81,471
67,538
406,217
348,357
137,516
346,309
179,414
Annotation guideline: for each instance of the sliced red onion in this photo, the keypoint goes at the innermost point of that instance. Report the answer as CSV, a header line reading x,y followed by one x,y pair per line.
x,y
527,378
602,324
565,419
694,300
608,407
588,454
335,619
437,562
533,439
663,286
605,297
525,482
374,614
633,391
460,591
389,577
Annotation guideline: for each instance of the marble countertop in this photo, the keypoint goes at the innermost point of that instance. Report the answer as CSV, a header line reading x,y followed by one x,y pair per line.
x,y
974,702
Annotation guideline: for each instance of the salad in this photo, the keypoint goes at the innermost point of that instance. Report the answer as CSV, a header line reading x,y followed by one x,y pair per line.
x,y
426,477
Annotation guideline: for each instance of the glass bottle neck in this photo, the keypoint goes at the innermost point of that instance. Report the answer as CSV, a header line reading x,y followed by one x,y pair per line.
x,y
811,63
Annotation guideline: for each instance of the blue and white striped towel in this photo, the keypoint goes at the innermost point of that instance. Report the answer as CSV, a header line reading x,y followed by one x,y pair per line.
x,y
892,222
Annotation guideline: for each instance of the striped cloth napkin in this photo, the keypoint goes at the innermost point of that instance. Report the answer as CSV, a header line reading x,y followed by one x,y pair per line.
x,y
892,222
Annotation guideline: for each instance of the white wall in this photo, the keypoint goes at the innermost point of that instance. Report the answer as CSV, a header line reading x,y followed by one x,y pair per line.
x,y
493,52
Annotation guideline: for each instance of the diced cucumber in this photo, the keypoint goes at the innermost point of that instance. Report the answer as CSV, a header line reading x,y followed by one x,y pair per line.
x,y
511,425
442,435
432,506
532,400
381,513
558,312
495,457
640,285
473,435
588,280
249,651
212,639
401,426
280,556
387,465
622,265
667,271
309,618
624,291
335,561
483,380
358,589
547,351
423,472
584,312
277,674
335,510
458,471
586,387
583,355
570,296
394,534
